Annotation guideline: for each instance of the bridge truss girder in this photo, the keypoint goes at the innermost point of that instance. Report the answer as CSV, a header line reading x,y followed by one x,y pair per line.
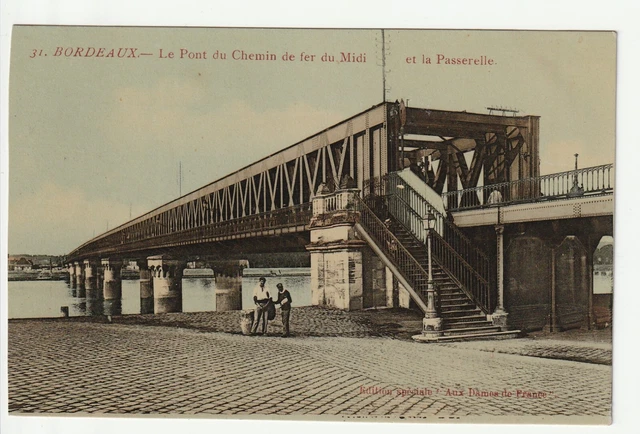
x,y
504,148
284,180
363,147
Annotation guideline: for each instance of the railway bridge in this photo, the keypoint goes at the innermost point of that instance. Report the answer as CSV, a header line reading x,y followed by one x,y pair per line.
x,y
396,206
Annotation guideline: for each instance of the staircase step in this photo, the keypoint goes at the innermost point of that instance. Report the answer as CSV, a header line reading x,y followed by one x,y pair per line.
x,y
510,334
457,305
445,280
451,292
454,299
470,330
460,296
461,312
460,306
464,318
447,284
465,324
455,302
449,288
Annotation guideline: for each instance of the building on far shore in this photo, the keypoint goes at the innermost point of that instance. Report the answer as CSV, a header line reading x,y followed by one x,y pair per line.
x,y
21,264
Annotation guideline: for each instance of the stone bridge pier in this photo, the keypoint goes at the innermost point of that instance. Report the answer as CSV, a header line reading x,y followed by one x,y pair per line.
x,y
146,286
345,272
112,286
228,284
91,278
71,269
167,283
79,279
94,295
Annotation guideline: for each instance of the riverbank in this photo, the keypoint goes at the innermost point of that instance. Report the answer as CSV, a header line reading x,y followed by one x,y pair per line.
x,y
588,346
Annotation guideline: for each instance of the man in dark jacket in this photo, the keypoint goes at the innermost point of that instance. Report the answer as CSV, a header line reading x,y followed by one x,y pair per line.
x,y
284,300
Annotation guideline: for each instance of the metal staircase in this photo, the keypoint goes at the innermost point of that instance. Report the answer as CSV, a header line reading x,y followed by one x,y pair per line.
x,y
461,276
462,319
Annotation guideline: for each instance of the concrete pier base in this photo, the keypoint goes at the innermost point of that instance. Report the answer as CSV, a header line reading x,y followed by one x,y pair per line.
x,y
79,278
112,281
71,273
146,305
336,275
68,277
229,284
90,274
100,278
167,283
113,290
146,288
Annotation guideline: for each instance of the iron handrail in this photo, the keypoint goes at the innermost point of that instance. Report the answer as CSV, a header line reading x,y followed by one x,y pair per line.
x,y
416,217
459,242
456,254
573,183
386,241
449,231
476,285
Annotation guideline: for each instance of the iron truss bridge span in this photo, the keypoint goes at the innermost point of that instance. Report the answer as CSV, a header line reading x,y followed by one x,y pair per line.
x,y
382,139
275,225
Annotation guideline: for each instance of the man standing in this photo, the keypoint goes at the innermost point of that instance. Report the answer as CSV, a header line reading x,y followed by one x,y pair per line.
x,y
261,299
284,299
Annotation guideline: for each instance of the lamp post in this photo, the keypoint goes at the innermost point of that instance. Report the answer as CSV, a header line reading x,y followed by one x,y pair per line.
x,y
429,223
576,190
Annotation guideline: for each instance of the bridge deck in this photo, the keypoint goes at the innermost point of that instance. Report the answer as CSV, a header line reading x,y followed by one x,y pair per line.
x,y
579,207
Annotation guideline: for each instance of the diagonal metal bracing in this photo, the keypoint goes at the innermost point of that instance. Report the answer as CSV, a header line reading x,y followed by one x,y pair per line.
x,y
312,179
361,147
505,147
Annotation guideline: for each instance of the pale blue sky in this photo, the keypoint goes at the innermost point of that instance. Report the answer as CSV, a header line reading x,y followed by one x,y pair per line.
x,y
91,139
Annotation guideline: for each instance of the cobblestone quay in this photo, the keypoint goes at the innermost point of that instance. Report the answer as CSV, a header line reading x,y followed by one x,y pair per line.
x,y
127,367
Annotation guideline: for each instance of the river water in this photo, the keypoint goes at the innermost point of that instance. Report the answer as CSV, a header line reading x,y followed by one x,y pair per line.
x,y
44,298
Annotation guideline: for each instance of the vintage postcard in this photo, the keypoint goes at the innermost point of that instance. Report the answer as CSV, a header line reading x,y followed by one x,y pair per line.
x,y
319,224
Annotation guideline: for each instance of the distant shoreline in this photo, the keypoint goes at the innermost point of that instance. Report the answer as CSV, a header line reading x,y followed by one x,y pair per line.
x,y
189,273
276,272
13,276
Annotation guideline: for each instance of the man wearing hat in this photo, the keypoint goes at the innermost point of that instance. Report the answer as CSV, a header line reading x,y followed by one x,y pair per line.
x,y
284,299
261,298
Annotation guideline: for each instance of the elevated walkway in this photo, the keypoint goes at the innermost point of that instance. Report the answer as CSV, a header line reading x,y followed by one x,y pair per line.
x,y
461,318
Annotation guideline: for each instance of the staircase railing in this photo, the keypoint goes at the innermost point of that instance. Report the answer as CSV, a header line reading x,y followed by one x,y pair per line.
x,y
410,268
451,249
